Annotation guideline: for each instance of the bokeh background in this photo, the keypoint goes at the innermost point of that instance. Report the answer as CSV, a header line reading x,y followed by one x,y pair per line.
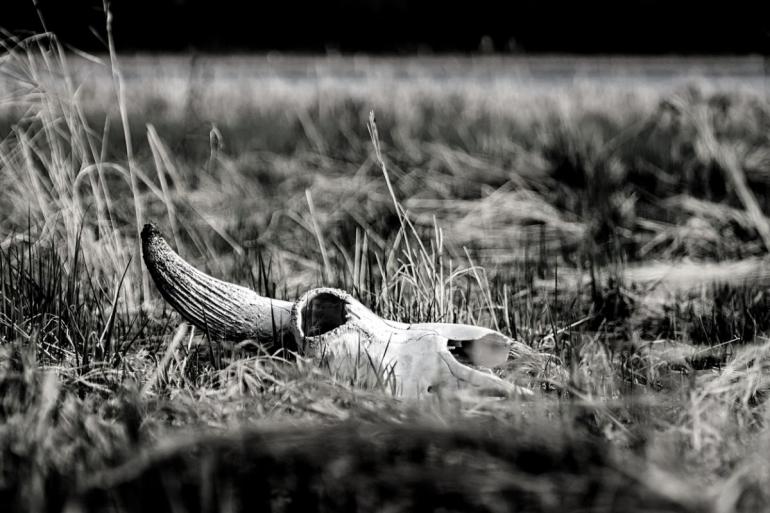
x,y
400,26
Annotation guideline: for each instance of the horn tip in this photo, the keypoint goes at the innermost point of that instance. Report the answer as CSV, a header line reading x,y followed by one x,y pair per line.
x,y
150,232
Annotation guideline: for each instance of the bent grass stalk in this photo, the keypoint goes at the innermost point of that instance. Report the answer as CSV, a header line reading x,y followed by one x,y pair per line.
x,y
122,106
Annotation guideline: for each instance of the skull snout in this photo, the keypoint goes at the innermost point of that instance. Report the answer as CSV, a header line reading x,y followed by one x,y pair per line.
x,y
490,350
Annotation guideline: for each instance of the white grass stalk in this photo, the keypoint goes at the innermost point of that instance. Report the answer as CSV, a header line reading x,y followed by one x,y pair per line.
x,y
117,78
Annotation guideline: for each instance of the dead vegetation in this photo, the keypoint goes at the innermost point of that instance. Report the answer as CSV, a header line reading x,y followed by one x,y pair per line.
x,y
620,235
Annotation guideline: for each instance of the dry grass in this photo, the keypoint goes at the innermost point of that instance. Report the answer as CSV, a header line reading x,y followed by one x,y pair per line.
x,y
599,226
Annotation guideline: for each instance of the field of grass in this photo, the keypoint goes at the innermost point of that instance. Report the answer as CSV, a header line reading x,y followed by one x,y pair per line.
x,y
616,226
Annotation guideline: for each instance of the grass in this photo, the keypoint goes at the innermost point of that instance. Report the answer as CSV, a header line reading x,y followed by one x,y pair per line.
x,y
587,222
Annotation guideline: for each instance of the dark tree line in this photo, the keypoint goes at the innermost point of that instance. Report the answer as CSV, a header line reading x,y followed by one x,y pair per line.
x,y
395,26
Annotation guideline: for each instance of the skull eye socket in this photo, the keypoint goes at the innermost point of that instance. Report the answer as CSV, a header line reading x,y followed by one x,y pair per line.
x,y
323,313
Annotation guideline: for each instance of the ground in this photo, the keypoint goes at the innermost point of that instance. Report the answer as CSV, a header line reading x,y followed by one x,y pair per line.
x,y
612,222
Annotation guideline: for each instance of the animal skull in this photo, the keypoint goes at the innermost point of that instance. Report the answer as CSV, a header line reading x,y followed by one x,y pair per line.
x,y
330,326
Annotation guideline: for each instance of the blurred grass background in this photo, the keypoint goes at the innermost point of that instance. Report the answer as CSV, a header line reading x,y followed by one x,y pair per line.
x,y
595,210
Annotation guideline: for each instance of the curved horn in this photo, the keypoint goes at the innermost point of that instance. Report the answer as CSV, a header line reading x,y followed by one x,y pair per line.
x,y
223,310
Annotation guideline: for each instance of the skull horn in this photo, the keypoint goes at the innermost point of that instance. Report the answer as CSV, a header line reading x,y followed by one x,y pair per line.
x,y
330,326
224,311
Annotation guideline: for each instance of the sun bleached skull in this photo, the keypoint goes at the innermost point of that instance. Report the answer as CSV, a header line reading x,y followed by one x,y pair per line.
x,y
331,327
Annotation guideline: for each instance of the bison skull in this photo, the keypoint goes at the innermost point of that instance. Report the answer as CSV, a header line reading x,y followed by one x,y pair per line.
x,y
329,325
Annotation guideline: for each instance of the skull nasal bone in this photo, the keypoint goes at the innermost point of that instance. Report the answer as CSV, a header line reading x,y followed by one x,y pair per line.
x,y
322,314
